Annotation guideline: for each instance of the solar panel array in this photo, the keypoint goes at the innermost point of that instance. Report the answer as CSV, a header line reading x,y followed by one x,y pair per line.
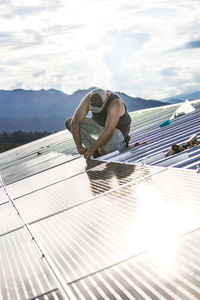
x,y
125,226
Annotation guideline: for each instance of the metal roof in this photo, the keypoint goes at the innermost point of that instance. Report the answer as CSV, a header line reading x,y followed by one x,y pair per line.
x,y
124,226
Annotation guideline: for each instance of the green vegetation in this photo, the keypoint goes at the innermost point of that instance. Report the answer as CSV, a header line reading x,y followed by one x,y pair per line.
x,y
18,138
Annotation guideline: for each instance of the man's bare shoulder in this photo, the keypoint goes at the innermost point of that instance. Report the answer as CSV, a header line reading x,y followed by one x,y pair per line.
x,y
86,98
117,101
117,105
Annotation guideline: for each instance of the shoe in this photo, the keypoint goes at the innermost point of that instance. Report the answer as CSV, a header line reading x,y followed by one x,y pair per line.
x,y
127,140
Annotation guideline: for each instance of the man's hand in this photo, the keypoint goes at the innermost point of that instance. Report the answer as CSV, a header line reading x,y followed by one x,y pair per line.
x,y
82,150
88,153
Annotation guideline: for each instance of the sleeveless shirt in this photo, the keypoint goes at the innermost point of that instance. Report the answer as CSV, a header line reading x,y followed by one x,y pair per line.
x,y
124,121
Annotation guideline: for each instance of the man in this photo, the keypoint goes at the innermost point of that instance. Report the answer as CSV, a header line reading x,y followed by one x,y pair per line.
x,y
108,128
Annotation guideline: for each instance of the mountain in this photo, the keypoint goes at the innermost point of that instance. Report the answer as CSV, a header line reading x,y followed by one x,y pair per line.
x,y
46,110
182,97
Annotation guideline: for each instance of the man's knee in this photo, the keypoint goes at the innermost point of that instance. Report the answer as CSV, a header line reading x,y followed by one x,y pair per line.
x,y
102,151
68,123
110,147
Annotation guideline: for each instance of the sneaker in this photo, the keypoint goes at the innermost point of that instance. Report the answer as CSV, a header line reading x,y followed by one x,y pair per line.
x,y
127,140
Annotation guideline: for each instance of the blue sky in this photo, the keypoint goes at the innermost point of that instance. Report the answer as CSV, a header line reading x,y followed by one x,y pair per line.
x,y
144,48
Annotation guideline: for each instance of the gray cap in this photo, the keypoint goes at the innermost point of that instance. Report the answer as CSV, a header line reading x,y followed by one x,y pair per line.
x,y
97,107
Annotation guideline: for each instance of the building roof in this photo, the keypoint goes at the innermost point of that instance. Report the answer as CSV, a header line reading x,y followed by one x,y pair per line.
x,y
124,226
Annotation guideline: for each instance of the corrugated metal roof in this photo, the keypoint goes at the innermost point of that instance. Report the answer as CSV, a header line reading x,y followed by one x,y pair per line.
x,y
159,140
124,226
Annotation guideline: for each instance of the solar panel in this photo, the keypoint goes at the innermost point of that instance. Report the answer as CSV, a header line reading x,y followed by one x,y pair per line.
x,y
24,274
20,164
9,219
14,174
58,142
3,197
169,272
118,225
47,178
100,229
66,194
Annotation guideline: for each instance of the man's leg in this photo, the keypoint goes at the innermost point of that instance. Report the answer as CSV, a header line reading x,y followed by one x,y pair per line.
x,y
89,130
90,127
116,142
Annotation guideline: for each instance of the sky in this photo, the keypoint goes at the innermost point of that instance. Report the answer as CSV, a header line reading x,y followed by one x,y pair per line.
x,y
144,48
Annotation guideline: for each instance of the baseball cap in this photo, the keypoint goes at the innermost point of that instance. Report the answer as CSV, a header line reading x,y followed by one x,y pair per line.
x,y
97,100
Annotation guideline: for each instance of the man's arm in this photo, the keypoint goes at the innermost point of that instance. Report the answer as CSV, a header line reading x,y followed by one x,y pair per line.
x,y
77,118
113,115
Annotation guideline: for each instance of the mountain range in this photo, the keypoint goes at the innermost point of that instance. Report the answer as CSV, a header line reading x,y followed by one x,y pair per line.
x,y
46,110
182,97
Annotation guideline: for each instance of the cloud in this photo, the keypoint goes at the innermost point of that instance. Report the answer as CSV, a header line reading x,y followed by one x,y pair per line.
x,y
17,85
5,1
26,10
161,11
130,7
169,71
21,39
20,11
123,45
116,44
39,73
28,38
10,62
6,38
59,29
32,9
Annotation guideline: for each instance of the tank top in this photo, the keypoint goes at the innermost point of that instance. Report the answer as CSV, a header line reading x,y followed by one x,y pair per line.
x,y
124,121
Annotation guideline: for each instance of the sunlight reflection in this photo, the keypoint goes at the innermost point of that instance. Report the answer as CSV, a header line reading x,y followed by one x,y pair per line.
x,y
153,215
163,256
157,222
114,183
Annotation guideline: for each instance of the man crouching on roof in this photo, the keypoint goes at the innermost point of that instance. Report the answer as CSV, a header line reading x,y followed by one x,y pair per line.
x,y
108,128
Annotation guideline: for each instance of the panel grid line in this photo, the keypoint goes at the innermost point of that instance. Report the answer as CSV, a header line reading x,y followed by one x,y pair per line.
x,y
98,196
61,283
128,258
